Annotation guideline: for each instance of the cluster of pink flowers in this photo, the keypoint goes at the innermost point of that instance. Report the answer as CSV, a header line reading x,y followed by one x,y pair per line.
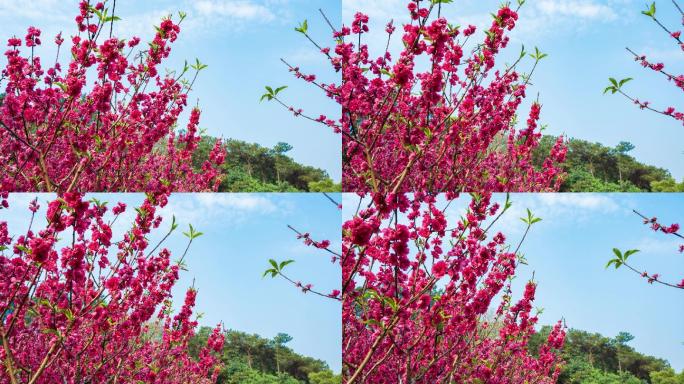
x,y
676,79
450,127
104,122
78,305
417,293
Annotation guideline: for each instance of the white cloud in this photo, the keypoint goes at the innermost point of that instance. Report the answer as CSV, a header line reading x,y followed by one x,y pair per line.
x,y
550,207
537,17
306,54
382,10
583,9
233,9
667,55
587,202
206,208
140,24
553,209
207,16
245,202
36,9
658,245
203,16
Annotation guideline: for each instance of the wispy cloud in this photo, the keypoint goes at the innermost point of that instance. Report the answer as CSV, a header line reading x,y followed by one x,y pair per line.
x,y
210,16
548,17
587,202
383,10
555,208
658,245
583,9
243,202
665,54
208,208
242,10
138,19
36,9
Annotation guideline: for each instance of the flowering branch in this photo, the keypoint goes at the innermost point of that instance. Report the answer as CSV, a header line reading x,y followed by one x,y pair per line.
x,y
616,86
277,267
449,128
63,130
416,293
621,258
77,306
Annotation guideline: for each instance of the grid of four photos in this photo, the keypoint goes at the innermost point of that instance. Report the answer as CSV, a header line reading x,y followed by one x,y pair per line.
x,y
341,191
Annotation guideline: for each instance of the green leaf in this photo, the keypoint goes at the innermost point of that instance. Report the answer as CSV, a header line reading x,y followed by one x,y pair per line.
x,y
192,234
530,219
273,263
392,303
624,81
277,90
651,11
373,322
371,294
629,253
303,27
198,66
62,86
442,1
538,55
51,331
285,263
508,202
97,12
617,253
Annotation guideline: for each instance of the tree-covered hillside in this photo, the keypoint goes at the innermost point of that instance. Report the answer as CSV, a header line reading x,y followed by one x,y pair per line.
x,y
252,359
252,168
592,358
594,167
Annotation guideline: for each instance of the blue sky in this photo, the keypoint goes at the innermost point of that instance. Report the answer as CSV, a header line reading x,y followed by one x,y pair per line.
x,y
568,250
241,232
242,41
585,40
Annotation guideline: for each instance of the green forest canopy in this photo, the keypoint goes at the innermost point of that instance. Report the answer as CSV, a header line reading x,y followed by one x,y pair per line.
x,y
592,358
252,359
594,167
252,168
